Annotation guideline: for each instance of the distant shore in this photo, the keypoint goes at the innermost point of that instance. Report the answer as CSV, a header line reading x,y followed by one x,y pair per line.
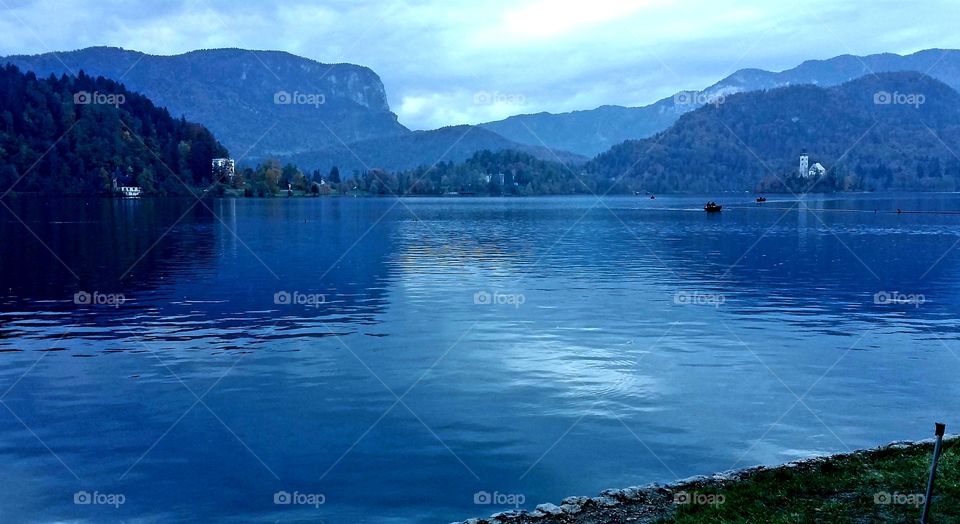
x,y
884,484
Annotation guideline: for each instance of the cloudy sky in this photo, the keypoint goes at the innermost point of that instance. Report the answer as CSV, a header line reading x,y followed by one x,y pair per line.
x,y
465,61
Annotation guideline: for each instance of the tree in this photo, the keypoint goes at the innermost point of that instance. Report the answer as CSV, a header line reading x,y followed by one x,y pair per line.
x,y
266,178
299,181
8,177
64,147
289,173
335,175
147,181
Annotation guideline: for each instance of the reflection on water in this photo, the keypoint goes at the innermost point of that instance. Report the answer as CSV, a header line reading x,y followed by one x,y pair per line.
x,y
400,356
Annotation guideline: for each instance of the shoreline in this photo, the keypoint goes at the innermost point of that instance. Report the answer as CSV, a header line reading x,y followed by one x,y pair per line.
x,y
656,502
298,194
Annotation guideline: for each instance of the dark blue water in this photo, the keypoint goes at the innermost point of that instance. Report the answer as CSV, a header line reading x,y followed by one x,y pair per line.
x,y
534,348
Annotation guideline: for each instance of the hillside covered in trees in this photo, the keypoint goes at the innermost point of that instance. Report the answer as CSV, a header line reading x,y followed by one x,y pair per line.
x,y
484,173
892,131
594,131
497,173
72,135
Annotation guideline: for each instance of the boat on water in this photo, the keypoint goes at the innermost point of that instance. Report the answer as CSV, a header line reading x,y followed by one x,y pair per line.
x,y
761,200
712,207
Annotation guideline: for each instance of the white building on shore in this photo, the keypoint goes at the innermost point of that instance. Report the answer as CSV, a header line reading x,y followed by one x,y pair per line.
x,y
806,170
223,169
126,191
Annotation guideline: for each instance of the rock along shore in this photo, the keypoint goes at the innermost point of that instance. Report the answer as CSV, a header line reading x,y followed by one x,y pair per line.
x,y
653,502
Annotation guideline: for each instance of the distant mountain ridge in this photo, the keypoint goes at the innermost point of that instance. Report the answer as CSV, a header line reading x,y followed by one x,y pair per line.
x,y
420,148
886,131
269,103
593,131
274,104
264,102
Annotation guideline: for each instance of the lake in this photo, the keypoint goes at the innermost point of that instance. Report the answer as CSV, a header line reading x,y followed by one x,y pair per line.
x,y
430,360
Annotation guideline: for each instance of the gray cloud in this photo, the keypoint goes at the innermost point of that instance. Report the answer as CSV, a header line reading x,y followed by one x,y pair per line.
x,y
448,62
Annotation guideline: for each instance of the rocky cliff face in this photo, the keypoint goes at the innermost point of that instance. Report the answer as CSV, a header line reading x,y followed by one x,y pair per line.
x,y
256,102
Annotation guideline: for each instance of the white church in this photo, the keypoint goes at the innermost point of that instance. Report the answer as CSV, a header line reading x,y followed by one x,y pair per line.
x,y
806,170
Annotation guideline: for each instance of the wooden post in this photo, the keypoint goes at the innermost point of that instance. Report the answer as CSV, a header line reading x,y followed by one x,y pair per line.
x,y
940,428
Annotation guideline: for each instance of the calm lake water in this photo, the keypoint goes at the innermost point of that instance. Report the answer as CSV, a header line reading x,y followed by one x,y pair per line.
x,y
395,359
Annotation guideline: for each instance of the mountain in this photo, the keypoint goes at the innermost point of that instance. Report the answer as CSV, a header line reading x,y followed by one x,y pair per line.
x,y
264,102
74,135
419,148
885,131
591,132
587,132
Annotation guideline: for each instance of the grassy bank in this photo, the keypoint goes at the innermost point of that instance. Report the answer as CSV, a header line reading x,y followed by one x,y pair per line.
x,y
878,485
884,485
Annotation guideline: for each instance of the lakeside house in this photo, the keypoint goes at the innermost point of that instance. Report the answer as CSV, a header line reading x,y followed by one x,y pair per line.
x,y
223,169
499,176
126,188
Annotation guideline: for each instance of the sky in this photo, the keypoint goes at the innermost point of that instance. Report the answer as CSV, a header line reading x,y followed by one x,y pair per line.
x,y
447,62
